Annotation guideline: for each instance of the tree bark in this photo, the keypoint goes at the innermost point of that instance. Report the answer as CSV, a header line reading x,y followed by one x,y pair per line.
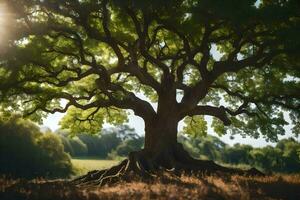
x,y
161,130
160,133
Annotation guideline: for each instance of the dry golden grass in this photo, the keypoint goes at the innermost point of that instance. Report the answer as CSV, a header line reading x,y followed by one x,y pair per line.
x,y
166,187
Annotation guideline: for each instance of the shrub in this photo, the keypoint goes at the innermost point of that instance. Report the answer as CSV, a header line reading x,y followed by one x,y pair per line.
x,y
54,160
79,148
26,152
129,145
67,145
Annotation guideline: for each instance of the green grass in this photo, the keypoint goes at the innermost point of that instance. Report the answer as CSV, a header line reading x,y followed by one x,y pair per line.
x,y
84,165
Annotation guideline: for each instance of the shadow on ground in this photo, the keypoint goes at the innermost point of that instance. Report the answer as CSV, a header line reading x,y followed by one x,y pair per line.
x,y
185,187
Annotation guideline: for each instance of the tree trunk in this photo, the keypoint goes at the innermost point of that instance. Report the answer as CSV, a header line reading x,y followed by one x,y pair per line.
x,y
161,141
160,133
161,152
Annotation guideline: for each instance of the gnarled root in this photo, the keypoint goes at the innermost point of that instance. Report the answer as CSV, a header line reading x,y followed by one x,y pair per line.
x,y
147,166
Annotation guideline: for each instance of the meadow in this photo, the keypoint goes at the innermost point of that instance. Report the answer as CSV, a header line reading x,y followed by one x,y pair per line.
x,y
84,165
165,187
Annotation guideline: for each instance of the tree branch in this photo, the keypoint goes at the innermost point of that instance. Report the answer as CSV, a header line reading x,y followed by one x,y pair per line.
x,y
219,112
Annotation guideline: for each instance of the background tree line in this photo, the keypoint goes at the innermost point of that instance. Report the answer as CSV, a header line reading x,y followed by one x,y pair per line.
x,y
111,143
28,151
284,157
116,143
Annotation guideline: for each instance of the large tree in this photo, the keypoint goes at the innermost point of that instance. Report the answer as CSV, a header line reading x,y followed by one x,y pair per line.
x,y
237,61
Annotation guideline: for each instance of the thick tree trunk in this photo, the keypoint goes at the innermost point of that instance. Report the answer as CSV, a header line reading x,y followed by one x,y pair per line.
x,y
161,141
161,153
160,133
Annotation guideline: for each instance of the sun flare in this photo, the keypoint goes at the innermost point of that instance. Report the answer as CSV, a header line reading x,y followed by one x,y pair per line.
x,y
5,21
2,21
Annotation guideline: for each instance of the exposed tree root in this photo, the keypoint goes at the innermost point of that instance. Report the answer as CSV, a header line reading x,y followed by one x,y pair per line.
x,y
148,166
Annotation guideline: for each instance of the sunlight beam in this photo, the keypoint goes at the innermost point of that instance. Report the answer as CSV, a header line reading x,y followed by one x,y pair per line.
x,y
2,20
5,25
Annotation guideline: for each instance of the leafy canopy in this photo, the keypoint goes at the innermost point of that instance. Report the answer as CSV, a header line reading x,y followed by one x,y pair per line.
x,y
94,58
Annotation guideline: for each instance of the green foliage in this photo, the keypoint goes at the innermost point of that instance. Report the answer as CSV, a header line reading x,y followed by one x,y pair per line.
x,y
26,152
283,158
78,121
68,148
79,148
218,126
237,154
208,147
195,126
55,162
127,146
112,142
91,59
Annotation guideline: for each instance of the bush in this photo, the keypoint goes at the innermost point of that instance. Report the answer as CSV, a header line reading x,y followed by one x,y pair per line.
x,y
98,145
79,148
26,152
67,145
54,160
129,145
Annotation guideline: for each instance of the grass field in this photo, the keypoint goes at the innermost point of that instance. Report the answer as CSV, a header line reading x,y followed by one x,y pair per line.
x,y
84,165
